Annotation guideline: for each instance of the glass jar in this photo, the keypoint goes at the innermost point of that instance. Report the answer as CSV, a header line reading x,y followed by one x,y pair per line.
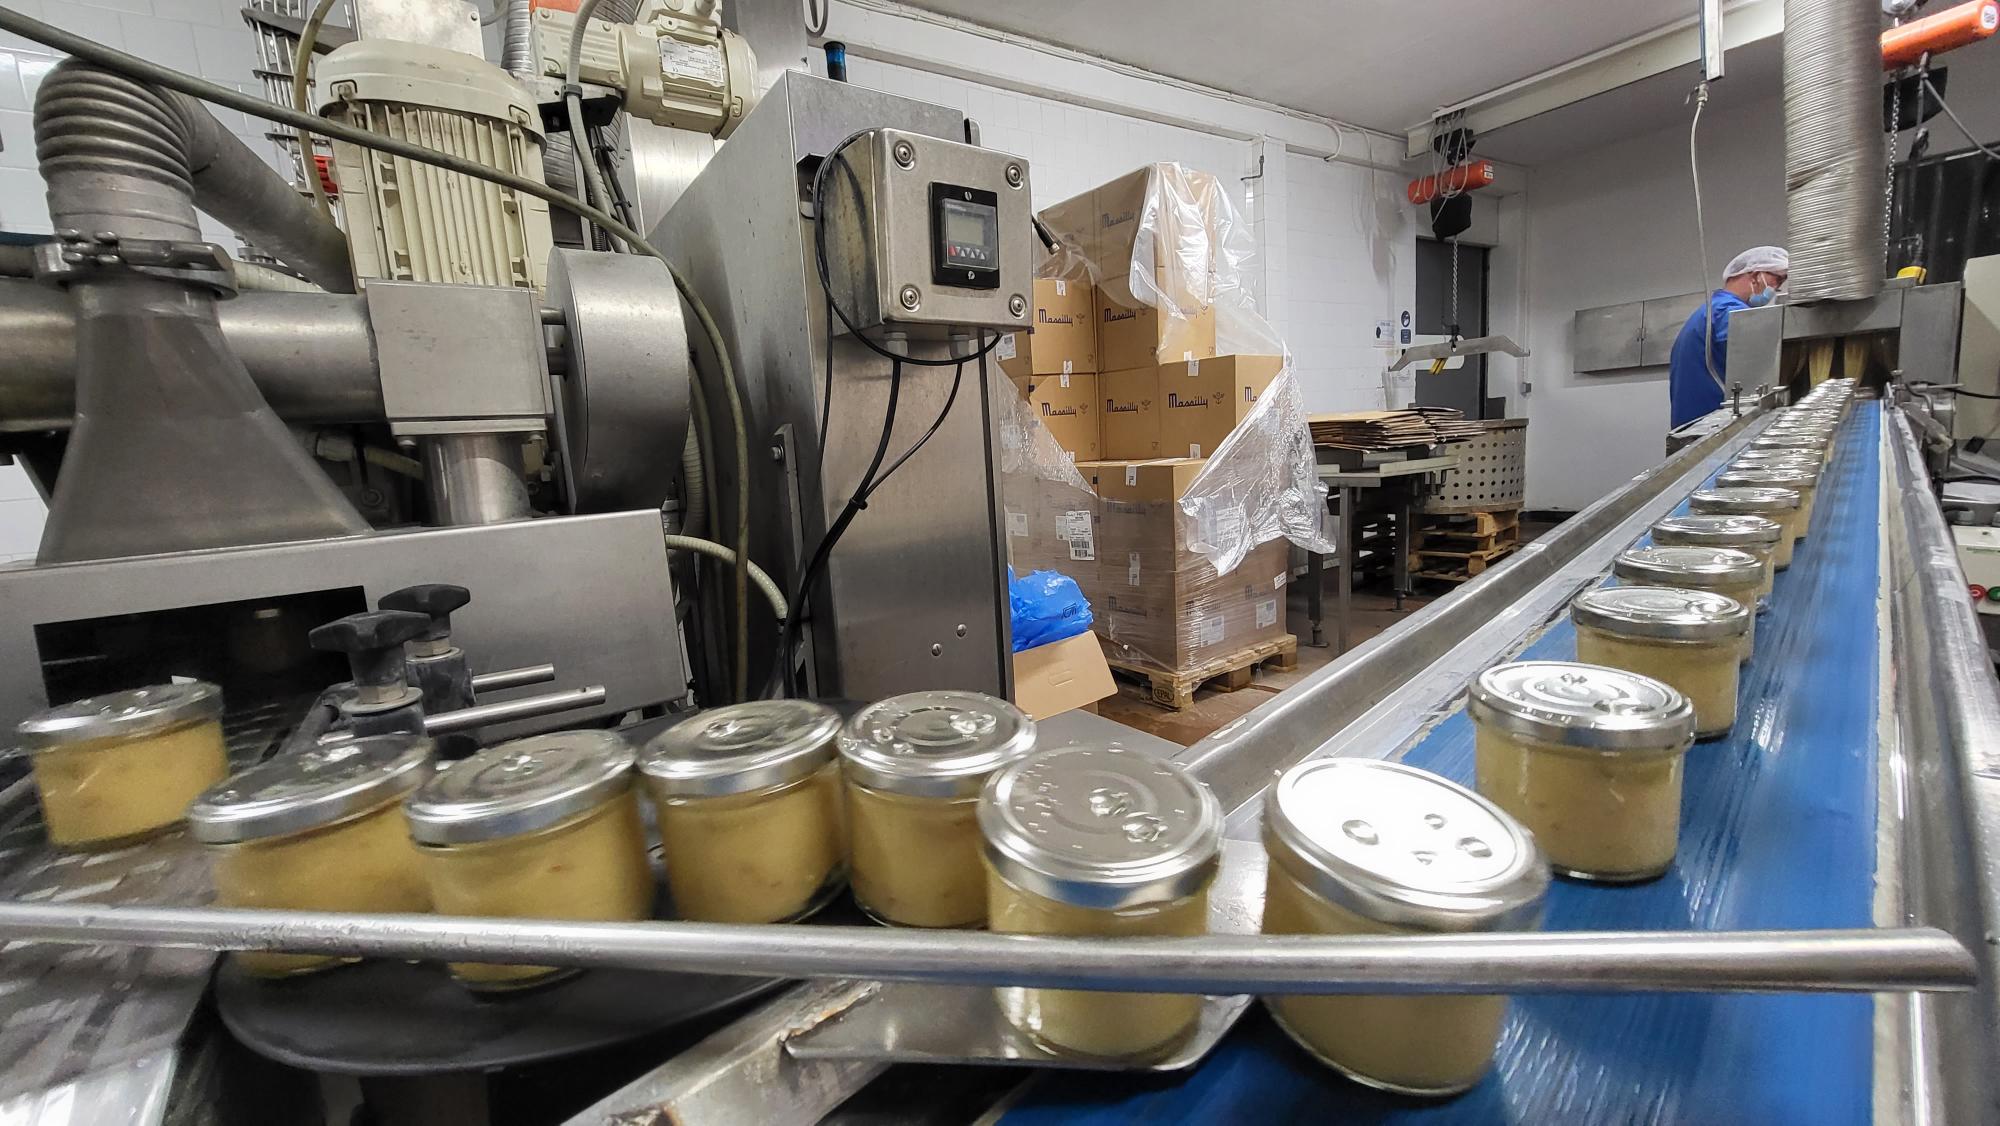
x,y
317,830
1757,535
1364,847
1781,505
914,766
1589,759
749,808
1690,639
119,768
1099,840
1719,570
545,827
1799,479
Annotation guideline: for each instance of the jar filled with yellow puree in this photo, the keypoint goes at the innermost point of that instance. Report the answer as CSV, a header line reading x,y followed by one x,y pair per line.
x,y
749,810
1690,639
1365,847
1589,759
1719,570
1757,535
1780,505
1099,840
119,768
1801,479
317,830
545,827
914,766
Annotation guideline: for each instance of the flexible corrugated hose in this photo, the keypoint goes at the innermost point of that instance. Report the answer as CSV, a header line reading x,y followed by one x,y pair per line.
x,y
1834,156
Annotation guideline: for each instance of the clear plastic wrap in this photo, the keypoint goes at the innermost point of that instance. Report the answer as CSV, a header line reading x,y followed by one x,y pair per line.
x,y
1178,532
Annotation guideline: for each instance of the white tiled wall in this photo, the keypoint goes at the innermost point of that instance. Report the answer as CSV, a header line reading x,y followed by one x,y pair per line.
x,y
205,37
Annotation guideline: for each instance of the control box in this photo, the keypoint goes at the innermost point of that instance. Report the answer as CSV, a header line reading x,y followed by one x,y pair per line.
x,y
928,237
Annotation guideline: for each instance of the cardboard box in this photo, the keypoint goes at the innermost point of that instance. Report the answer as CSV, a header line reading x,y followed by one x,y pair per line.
x,y
1180,210
1061,676
1064,337
1186,616
1203,400
1157,601
1129,421
1068,405
1146,337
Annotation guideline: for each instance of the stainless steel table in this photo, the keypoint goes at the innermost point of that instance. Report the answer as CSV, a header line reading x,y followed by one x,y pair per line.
x,y
1404,477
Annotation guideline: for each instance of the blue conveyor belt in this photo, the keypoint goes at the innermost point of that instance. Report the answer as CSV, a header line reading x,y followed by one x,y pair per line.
x,y
1778,831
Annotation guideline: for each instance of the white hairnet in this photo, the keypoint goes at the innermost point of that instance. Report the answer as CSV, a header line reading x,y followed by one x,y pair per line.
x,y
1765,259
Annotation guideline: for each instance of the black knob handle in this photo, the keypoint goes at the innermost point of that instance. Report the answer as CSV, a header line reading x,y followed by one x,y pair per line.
x,y
437,600
373,641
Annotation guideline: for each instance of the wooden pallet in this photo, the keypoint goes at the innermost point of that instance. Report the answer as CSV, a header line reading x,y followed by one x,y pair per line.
x,y
1457,566
1441,541
1175,688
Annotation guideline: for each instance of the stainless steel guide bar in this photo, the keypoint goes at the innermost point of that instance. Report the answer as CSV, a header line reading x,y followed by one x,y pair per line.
x,y
1920,959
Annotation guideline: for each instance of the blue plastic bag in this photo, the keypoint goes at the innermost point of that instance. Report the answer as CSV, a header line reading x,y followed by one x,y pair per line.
x,y
1046,606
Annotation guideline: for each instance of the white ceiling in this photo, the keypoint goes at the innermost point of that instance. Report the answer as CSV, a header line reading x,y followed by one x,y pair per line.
x,y
1387,64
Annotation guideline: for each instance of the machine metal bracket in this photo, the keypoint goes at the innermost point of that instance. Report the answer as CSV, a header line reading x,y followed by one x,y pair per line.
x,y
75,256
1445,350
459,359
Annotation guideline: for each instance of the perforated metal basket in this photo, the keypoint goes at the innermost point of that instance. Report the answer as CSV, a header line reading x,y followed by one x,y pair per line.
x,y
1492,470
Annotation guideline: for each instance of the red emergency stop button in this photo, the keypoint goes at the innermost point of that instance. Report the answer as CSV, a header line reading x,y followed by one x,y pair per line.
x,y
1979,592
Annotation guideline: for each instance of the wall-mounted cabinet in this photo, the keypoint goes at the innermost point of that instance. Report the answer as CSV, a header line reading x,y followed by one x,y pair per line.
x,y
1637,334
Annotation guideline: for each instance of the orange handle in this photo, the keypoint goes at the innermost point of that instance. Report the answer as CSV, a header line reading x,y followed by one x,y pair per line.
x,y
1953,27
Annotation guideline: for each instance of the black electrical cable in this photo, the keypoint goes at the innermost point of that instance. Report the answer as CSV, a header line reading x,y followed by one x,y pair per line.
x,y
788,641
957,377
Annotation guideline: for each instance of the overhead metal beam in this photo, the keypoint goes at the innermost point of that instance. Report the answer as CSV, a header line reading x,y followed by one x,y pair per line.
x,y
1621,64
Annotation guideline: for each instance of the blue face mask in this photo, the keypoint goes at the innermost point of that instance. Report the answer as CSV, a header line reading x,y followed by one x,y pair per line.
x,y
1763,296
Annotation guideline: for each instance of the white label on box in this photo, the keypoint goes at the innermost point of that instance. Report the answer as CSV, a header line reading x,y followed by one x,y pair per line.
x,y
1188,355
1279,582
1075,522
1006,349
1065,374
1267,613
1194,449
1132,569
1208,630
1017,523
1062,288
701,62
1131,476
1194,367
1083,547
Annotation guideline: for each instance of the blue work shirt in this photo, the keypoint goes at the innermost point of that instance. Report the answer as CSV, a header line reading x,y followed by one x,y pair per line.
x,y
1693,391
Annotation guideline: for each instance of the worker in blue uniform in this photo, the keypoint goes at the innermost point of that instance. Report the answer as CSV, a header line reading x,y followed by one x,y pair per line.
x,y
1753,278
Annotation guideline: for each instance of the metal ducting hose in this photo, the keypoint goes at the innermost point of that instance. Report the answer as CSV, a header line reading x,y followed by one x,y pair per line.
x,y
517,49
131,157
1834,165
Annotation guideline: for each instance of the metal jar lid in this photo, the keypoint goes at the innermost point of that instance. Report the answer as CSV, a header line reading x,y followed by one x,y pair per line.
x,y
1806,467
1578,705
1664,613
1750,500
741,748
1718,529
130,714
1701,568
1403,846
1101,826
1803,459
310,789
520,787
1797,437
934,744
1784,477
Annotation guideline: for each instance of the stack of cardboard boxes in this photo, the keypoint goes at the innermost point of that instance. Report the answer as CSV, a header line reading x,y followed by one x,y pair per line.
x,y
1138,397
